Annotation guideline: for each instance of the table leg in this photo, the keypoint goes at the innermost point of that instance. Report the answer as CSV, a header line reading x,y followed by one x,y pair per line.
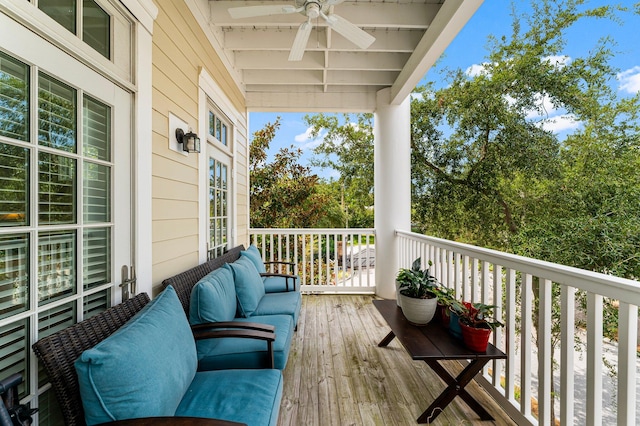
x,y
455,387
388,338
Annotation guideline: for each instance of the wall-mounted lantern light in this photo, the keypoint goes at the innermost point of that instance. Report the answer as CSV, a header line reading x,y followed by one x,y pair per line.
x,y
190,141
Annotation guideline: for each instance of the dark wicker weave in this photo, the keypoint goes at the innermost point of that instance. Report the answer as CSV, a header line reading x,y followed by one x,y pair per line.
x,y
184,282
59,352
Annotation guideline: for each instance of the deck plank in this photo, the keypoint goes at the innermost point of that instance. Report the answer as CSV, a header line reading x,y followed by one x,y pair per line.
x,y
337,375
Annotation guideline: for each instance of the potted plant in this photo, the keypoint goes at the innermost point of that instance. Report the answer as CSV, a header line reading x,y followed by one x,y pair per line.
x,y
446,298
417,293
456,310
476,323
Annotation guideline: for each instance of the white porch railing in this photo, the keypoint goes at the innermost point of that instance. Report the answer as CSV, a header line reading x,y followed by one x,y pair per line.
x,y
526,292
328,260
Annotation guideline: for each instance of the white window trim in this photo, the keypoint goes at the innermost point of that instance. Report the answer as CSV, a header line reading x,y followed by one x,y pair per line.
x,y
209,89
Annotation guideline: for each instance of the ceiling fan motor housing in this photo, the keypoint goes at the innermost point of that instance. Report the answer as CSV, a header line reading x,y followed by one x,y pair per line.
x,y
312,8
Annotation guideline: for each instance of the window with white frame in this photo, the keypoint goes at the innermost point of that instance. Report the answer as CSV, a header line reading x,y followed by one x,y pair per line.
x,y
219,182
218,127
87,19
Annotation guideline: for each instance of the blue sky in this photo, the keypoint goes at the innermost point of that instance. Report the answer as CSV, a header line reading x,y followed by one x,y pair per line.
x,y
468,52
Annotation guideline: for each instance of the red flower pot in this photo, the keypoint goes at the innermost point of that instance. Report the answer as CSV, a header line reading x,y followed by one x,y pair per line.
x,y
475,339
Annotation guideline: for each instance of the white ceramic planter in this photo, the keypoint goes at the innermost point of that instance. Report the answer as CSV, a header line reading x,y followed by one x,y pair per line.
x,y
398,301
418,311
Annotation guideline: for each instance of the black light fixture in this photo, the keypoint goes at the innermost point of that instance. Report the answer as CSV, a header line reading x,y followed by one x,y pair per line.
x,y
190,141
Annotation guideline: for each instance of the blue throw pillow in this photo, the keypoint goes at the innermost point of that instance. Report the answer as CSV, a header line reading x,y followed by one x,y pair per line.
x,y
213,298
253,254
143,369
249,286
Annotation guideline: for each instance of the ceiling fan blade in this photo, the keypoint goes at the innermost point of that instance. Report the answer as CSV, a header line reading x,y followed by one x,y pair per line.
x,y
263,10
333,2
300,42
349,31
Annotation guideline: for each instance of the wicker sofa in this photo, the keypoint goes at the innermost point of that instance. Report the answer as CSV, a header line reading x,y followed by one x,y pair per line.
x,y
230,291
139,360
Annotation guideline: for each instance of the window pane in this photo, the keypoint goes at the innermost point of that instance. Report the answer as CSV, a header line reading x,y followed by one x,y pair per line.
x,y
14,185
218,127
224,231
14,98
96,259
212,124
56,265
96,303
223,204
224,135
14,270
61,11
97,130
223,184
97,193
57,114
14,340
96,29
56,189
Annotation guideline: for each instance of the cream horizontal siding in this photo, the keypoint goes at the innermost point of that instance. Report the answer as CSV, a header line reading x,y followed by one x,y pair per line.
x,y
241,176
180,51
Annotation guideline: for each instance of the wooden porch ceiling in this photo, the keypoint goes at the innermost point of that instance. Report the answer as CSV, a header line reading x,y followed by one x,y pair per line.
x,y
333,75
337,375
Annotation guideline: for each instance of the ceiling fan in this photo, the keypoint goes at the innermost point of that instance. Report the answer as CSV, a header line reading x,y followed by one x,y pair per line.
x,y
311,9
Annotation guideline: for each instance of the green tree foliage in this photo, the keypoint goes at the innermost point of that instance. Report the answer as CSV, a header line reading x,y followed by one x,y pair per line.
x,y
283,193
347,147
486,171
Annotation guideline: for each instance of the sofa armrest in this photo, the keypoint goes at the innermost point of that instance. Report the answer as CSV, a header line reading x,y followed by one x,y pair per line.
x,y
287,277
233,324
211,331
279,262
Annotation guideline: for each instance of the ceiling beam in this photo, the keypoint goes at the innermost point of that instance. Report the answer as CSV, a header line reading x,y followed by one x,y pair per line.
x,y
367,15
362,61
343,101
282,39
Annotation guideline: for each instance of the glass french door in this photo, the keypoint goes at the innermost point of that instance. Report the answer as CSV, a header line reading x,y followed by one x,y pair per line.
x,y
65,203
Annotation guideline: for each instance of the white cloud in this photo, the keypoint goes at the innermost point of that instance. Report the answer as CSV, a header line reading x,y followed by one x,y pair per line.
x,y
476,70
559,123
303,137
630,80
306,141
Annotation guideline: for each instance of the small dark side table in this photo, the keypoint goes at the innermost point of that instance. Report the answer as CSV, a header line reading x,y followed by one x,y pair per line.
x,y
432,344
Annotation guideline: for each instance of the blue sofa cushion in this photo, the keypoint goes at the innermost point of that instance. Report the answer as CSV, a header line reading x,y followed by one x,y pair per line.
x,y
213,298
252,253
143,369
249,286
246,396
287,303
227,353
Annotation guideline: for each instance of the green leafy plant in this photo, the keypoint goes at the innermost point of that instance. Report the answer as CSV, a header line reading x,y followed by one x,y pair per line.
x,y
417,283
446,296
479,315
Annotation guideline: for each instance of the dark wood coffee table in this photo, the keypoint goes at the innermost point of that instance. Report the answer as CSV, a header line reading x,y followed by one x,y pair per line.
x,y
432,343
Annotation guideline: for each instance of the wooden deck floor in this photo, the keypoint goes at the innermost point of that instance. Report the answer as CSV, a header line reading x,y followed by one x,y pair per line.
x,y
337,375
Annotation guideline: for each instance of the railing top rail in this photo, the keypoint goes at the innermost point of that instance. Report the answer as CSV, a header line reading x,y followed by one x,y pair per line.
x,y
595,282
307,231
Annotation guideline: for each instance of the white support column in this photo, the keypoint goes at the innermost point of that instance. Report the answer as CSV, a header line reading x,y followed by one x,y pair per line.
x,y
392,186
